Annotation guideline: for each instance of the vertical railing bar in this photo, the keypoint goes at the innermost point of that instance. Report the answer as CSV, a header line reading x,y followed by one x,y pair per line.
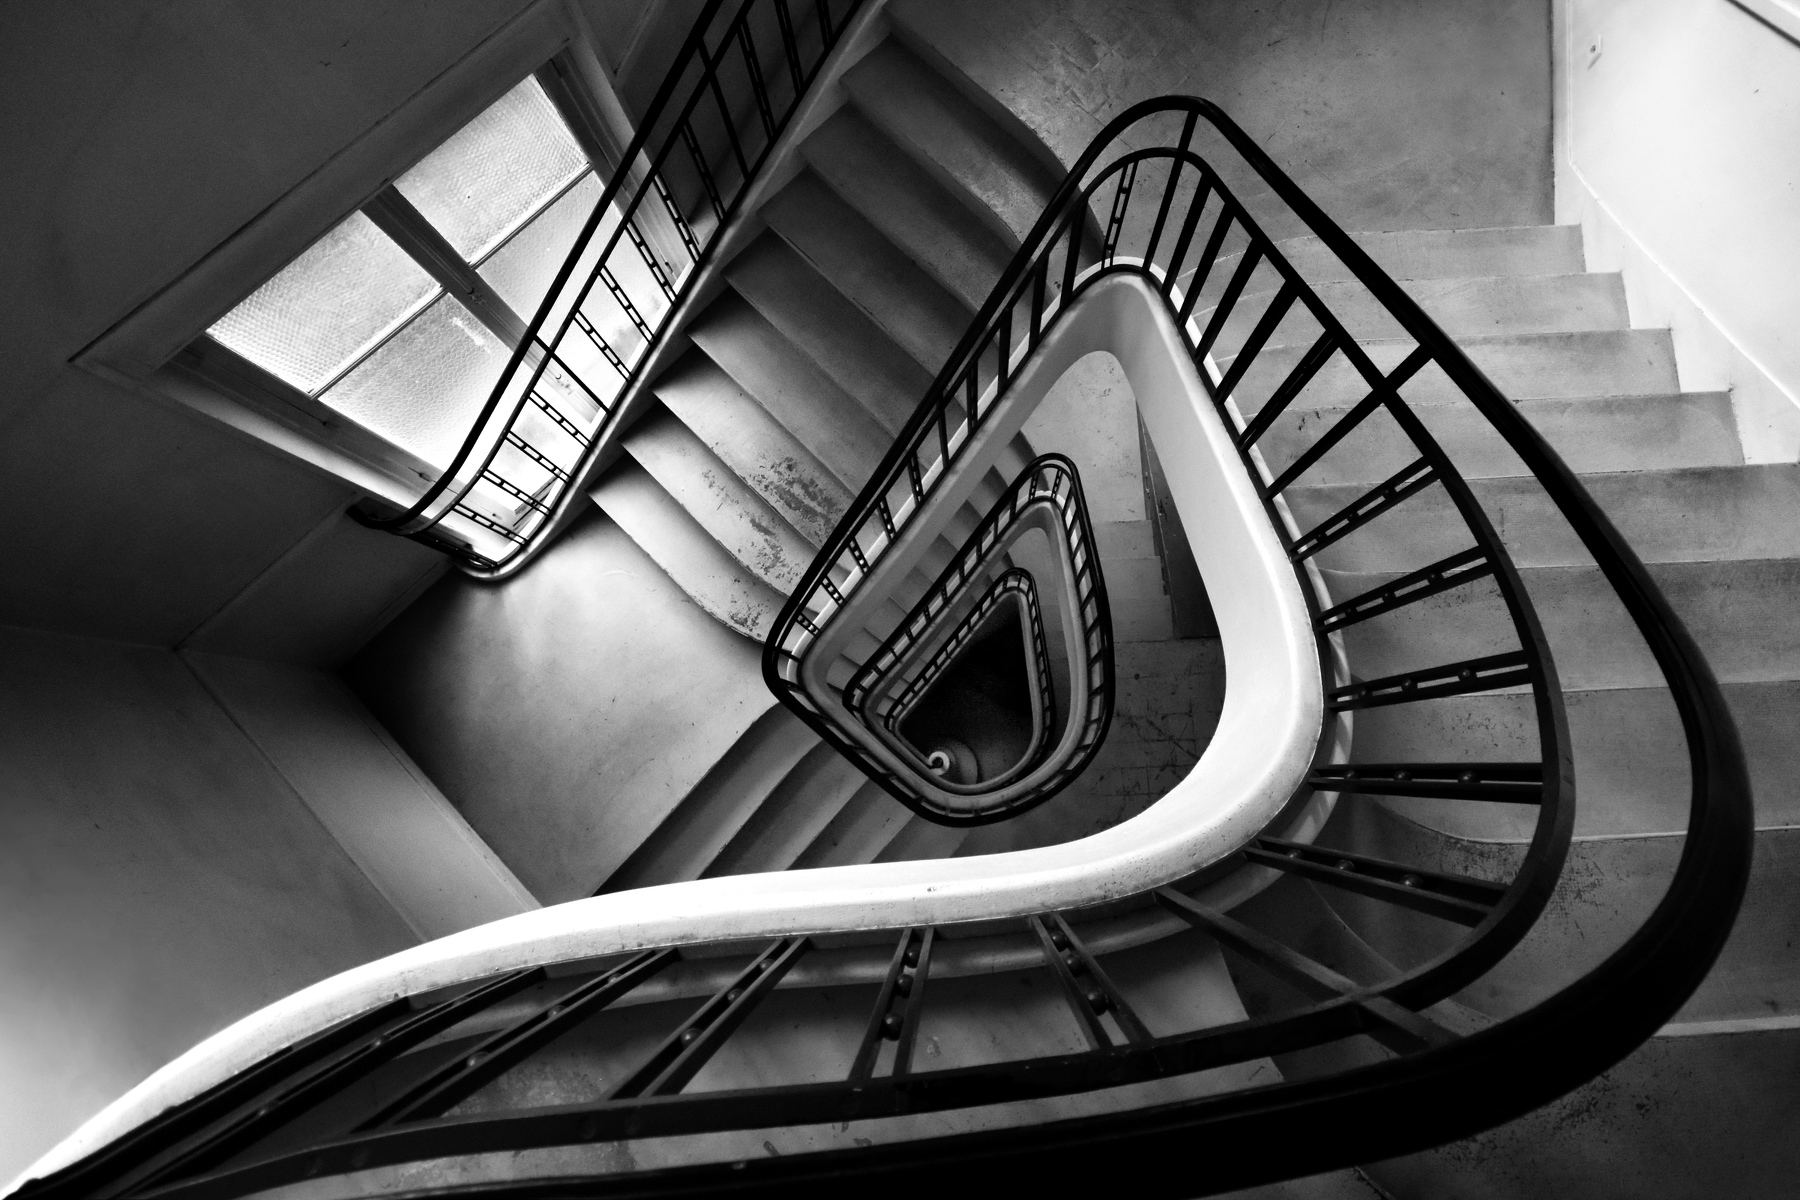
x,y
879,1018
1133,1027
1240,279
1196,207
790,47
1259,337
705,172
759,87
1175,164
915,1003
1079,1006
1203,268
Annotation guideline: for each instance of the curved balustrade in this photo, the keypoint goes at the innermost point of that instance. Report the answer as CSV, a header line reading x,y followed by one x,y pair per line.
x,y
885,688
705,137
394,1077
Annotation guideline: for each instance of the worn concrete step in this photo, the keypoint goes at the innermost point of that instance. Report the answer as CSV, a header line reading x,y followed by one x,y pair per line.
x,y
1142,619
1697,515
830,423
1631,774
1740,611
1496,306
727,508
1008,184
757,448
1450,253
1132,578
712,813
877,276
846,343
1605,891
859,832
908,205
1537,366
1614,433
710,576
1125,539
796,811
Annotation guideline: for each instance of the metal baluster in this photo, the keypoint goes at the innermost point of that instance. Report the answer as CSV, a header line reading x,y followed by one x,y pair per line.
x,y
1453,571
919,963
1494,782
1457,898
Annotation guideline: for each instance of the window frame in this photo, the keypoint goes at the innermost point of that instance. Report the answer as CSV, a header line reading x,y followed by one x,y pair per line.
x,y
162,348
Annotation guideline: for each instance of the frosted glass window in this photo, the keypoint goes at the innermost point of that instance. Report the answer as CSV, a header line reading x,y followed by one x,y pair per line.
x,y
324,310
495,172
424,387
521,271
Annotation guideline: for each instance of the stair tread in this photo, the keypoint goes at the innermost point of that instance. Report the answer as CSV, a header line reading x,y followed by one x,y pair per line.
x,y
720,502
1738,610
773,371
925,111
684,550
917,312
846,344
915,211
757,448
859,831
1692,514
717,807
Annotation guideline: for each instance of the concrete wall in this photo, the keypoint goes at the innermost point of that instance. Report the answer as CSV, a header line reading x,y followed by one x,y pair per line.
x,y
1392,114
566,711
1679,154
158,879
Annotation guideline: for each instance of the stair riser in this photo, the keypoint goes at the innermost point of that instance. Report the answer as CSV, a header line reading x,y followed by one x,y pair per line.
x,y
1631,769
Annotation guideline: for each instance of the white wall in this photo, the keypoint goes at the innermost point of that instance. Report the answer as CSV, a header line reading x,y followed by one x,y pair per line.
x,y
183,841
1679,154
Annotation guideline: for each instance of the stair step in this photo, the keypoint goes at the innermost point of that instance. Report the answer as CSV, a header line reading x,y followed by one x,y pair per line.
x,y
1694,515
755,446
1133,579
1741,613
876,275
1125,539
795,813
1495,306
713,579
1611,433
925,112
921,839
1631,768
909,206
837,430
1450,253
1141,619
846,344
861,830
721,503
1537,366
709,816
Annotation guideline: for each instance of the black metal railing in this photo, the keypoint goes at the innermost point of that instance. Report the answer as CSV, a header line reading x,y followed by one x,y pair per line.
x,y
885,686
426,1078
734,86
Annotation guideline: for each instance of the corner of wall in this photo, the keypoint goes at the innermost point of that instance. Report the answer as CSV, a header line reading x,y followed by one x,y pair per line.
x,y
1707,358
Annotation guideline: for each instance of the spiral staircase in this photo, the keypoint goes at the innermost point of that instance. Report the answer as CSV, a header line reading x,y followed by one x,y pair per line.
x,y
1471,552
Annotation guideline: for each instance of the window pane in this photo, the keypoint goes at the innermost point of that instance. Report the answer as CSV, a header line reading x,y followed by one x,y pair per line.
x,y
495,172
424,387
522,269
324,309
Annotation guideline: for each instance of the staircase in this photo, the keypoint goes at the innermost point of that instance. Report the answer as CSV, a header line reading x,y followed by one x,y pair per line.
x,y
908,203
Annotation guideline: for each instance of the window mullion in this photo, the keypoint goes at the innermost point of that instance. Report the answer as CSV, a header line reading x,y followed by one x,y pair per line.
x,y
395,215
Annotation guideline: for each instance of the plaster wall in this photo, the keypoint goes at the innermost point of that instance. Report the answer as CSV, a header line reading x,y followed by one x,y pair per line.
x,y
159,879
1679,154
1392,114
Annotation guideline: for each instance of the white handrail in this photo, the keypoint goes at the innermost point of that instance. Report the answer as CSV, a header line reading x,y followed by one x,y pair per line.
x,y
1266,739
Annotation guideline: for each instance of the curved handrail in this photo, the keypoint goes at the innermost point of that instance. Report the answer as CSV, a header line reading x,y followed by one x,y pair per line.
x,y
1439,1086
580,354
